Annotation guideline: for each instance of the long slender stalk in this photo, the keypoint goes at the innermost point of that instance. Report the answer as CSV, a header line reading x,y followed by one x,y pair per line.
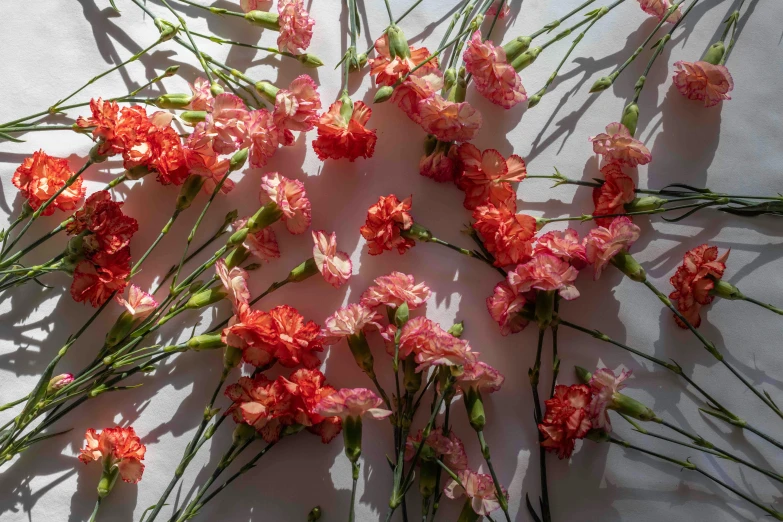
x,y
555,23
538,415
184,26
588,20
769,307
498,488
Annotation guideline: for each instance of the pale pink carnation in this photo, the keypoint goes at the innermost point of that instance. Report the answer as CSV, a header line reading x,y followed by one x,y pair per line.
x,y
263,137
228,121
449,447
393,290
418,332
349,320
202,96
334,265
291,199
263,244
604,385
602,243
495,78
296,26
617,144
493,10
140,304
504,306
352,402
658,9
545,272
254,5
296,108
480,376
445,350
414,89
479,488
563,244
235,283
449,121
703,81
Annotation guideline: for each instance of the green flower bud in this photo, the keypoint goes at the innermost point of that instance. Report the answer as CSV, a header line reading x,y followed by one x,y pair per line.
x,y
602,83
475,407
726,290
310,61
630,117
315,514
195,286
383,94
631,407
242,433
449,78
238,237
398,45
265,216
108,479
428,474
238,160
121,328
205,342
545,308
267,90
401,316
205,298
171,71
582,375
167,29
193,117
173,101
263,19
417,232
516,47
360,350
346,110
411,378
95,156
303,271
215,88
137,172
526,58
533,101
352,435
644,204
231,357
629,266
361,60
457,329
237,256
189,191
715,53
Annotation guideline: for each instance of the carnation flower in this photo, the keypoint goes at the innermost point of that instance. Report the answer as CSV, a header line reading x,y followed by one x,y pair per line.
x,y
235,283
441,165
480,376
604,384
694,279
504,306
263,135
291,199
617,144
394,289
352,402
119,448
563,244
40,176
140,304
495,78
493,10
602,244
58,382
547,273
296,340
254,5
349,320
228,122
202,99
296,108
96,278
104,123
253,332
658,9
263,244
443,349
296,26
487,176
703,81
385,221
388,70
309,388
263,404
479,488
447,120
414,89
566,419
449,447
334,265
111,230
201,159
340,137
613,194
507,236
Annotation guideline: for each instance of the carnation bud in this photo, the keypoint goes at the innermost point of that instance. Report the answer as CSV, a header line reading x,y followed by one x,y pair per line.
x,y
267,90
401,315
629,266
630,117
264,217
205,298
602,83
263,19
315,514
167,29
449,78
136,173
173,101
59,382
475,408
715,53
383,94
516,47
726,290
540,222
303,271
238,237
95,156
205,342
644,204
238,160
526,58
457,329
193,117
398,45
237,256
121,328
108,479
545,307
310,61
631,407
170,71
360,350
582,374
215,89
230,218
195,286
231,357
189,191
352,435
533,101
242,433
411,378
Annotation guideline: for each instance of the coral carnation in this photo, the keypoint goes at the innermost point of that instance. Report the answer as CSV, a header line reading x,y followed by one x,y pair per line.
x,y
703,81
506,235
95,279
345,137
119,448
385,221
352,402
547,273
602,244
449,121
617,144
393,290
504,306
487,176
612,196
291,199
40,176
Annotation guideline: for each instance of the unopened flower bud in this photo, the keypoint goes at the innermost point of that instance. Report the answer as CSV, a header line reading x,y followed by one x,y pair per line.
x,y
136,173
644,204
602,83
189,191
264,217
516,47
205,298
242,433
303,271
726,290
121,328
582,374
540,223
215,89
631,407
195,286
310,61
428,474
401,316
170,71
237,256
173,101
193,117
533,101
352,435
361,60
205,342
630,117
629,266
475,408
449,78
231,357
417,232
457,329
59,382
238,237
383,94
167,29
715,53
398,45
108,479
267,90
315,514
411,378
526,58
263,19
360,350
238,160
95,156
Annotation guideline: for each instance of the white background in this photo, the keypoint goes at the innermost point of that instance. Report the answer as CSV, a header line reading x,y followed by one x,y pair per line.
x,y
49,49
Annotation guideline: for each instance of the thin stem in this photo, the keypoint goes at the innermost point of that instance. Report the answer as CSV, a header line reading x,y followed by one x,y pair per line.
x,y
554,24
190,38
733,23
498,488
34,128
577,25
165,230
219,40
354,475
533,374
388,10
213,10
659,210
94,515
769,307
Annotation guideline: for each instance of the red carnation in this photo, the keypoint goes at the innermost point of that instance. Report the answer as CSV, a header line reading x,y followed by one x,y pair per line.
x,y
96,278
694,279
566,419
111,229
385,220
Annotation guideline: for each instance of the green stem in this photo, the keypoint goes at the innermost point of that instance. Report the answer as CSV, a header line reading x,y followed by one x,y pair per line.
x,y
190,38
533,374
763,305
389,12
659,210
94,515
219,40
589,20
32,128
498,488
355,469
164,231
733,23
551,26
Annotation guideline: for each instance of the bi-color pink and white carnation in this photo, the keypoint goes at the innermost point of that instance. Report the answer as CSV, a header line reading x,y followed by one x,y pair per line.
x,y
448,120
617,144
291,199
296,26
487,176
263,244
349,320
604,384
495,78
547,273
603,243
658,8
479,488
235,283
480,376
394,289
703,81
139,304
352,402
334,265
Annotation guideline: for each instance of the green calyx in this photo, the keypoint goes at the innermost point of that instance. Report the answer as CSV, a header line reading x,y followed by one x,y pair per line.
x,y
629,266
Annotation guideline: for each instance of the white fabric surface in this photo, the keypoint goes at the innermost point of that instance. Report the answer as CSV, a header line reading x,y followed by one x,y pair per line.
x,y
50,48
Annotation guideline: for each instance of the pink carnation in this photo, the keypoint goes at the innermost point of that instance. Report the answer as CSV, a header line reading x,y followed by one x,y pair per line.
x,y
393,290
414,89
487,176
449,447
263,244
254,5
296,108
479,488
480,376
604,384
140,304
349,320
504,306
227,123
449,121
495,78
441,165
352,402
444,350
235,283
545,272
296,26
617,144
602,244
334,266
202,99
563,244
658,9
291,199
263,137
703,81
694,280
493,10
